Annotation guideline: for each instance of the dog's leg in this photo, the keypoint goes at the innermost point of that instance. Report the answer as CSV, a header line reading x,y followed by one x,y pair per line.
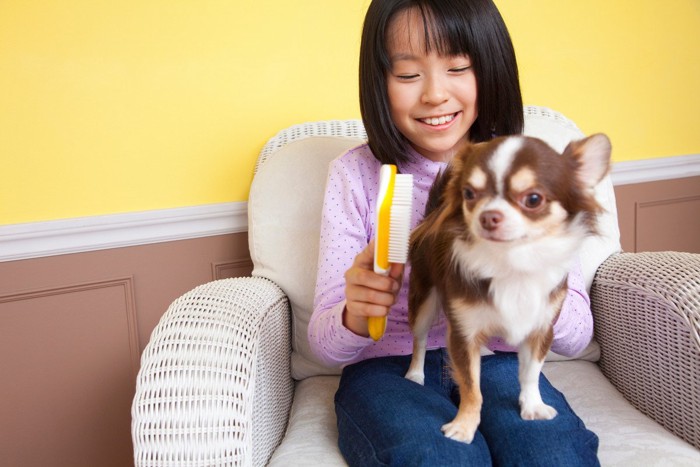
x,y
531,359
466,371
420,326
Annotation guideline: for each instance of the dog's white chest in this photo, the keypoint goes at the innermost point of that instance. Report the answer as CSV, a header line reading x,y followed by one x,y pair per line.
x,y
518,307
521,305
521,283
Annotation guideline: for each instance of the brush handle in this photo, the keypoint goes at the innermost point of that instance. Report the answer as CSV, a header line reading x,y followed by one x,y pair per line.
x,y
376,326
385,195
387,176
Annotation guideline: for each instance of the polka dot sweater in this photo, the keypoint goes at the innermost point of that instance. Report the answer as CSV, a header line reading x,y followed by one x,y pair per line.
x,y
347,226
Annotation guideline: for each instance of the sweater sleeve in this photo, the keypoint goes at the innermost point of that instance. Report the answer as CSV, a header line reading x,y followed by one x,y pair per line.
x,y
344,233
573,330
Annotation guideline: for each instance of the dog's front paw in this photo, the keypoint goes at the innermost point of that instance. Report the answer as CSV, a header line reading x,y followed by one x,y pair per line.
x,y
461,430
416,377
537,411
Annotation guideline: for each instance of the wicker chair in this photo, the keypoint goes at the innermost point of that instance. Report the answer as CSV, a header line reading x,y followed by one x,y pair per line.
x,y
227,377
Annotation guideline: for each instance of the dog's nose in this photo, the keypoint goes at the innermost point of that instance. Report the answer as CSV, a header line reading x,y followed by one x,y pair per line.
x,y
490,220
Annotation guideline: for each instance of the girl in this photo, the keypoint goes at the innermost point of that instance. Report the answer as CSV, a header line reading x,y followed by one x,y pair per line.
x,y
434,75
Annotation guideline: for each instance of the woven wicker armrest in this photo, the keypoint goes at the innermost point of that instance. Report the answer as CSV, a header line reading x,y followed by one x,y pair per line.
x,y
214,386
646,308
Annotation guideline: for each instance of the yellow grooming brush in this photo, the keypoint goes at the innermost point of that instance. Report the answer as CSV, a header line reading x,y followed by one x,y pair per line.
x,y
394,206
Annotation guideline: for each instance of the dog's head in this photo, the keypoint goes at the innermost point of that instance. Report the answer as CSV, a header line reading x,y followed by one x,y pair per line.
x,y
518,188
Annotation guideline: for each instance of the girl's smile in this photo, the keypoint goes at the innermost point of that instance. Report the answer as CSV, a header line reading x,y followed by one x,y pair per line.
x,y
438,121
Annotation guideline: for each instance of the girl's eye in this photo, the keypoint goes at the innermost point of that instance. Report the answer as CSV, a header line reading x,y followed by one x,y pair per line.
x,y
406,77
460,69
532,200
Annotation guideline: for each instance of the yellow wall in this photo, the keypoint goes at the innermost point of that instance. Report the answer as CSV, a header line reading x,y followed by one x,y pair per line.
x,y
120,106
629,68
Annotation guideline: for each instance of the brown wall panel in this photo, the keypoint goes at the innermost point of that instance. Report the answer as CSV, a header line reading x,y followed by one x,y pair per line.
x,y
669,222
69,361
231,269
161,271
71,336
660,216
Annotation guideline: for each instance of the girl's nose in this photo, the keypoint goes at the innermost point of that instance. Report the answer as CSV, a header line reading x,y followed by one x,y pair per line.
x,y
434,92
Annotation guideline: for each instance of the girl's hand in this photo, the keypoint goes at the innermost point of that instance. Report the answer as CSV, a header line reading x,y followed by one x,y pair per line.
x,y
368,293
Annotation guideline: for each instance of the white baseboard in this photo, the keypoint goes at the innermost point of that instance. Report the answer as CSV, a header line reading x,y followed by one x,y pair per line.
x,y
38,239
33,240
654,170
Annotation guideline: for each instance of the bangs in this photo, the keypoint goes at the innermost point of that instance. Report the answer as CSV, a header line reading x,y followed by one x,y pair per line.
x,y
445,31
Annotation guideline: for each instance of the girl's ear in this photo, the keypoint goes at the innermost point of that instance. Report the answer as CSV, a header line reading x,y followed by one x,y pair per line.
x,y
591,157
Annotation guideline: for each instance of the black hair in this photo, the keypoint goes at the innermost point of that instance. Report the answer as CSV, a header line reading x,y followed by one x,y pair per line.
x,y
452,27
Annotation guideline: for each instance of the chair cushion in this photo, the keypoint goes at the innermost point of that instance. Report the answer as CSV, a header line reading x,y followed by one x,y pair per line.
x,y
284,219
312,434
627,437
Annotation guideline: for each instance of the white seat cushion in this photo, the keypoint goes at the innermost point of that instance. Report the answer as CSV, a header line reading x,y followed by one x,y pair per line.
x,y
627,437
312,434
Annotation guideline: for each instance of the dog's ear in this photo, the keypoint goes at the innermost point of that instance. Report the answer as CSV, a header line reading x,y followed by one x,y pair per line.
x,y
592,158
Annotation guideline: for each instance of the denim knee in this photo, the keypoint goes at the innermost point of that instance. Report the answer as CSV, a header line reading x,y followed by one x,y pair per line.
x,y
385,419
562,441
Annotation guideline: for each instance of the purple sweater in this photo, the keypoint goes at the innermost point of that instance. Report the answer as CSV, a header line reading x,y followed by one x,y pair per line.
x,y
347,226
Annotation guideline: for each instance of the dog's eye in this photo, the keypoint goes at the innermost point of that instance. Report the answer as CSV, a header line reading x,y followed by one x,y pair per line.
x,y
532,200
469,194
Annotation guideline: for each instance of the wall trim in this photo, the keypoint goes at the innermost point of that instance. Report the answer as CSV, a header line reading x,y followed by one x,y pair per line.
x,y
38,239
60,237
654,170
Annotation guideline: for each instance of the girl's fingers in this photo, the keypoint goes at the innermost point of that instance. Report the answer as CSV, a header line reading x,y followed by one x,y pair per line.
x,y
361,294
368,293
357,276
362,272
365,310
396,272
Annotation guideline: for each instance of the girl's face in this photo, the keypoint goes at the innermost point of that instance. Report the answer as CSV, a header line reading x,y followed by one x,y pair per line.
x,y
432,97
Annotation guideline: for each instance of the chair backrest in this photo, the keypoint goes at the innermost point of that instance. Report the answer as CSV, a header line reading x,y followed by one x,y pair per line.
x,y
285,203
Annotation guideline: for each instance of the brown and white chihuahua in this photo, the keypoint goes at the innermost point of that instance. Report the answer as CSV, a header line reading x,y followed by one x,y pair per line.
x,y
494,250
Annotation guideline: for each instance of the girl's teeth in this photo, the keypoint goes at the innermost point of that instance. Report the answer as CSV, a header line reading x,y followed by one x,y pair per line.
x,y
438,120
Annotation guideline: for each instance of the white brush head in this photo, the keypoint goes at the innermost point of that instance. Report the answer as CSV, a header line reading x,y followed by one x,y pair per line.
x,y
400,215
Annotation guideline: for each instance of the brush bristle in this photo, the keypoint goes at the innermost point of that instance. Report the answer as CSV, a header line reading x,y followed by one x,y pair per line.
x,y
400,218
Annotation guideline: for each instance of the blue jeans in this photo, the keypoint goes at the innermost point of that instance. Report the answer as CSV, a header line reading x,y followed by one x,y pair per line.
x,y
385,419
